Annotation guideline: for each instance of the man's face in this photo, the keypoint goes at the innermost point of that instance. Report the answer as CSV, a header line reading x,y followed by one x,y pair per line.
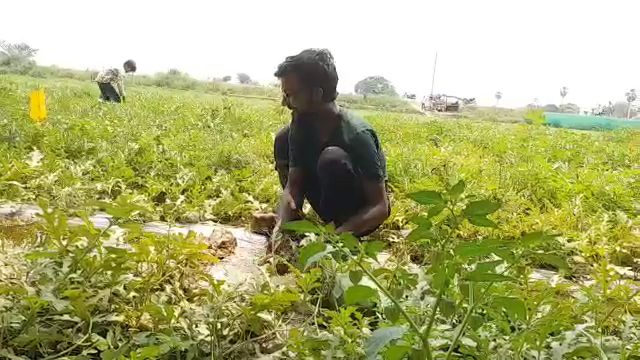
x,y
296,96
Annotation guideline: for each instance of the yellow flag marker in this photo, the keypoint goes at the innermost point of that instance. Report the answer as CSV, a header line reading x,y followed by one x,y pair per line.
x,y
37,105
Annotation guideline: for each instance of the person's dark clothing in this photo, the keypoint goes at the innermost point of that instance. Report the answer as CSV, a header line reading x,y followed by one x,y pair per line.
x,y
333,171
109,93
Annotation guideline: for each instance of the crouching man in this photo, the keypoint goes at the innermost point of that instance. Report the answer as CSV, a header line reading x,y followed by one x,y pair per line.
x,y
111,82
327,155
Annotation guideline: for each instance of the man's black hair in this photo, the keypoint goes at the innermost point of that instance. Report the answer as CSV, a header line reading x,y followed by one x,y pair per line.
x,y
315,68
130,64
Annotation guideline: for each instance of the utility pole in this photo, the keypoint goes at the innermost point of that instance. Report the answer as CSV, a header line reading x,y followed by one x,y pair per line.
x,y
433,77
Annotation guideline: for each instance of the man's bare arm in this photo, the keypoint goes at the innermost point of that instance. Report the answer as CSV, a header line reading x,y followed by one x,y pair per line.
x,y
292,197
120,86
374,213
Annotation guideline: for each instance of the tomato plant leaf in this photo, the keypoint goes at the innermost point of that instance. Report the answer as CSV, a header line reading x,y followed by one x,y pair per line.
x,y
481,207
349,241
515,307
312,252
535,238
554,260
420,233
447,308
480,248
330,228
396,352
488,266
392,313
457,189
505,254
372,248
481,220
359,294
435,210
421,221
380,338
381,272
427,197
301,227
355,276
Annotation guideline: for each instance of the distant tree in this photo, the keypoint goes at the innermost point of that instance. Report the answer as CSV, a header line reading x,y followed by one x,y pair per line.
x,y
563,92
631,97
620,109
17,58
608,110
569,108
16,54
375,85
498,96
226,78
174,72
244,78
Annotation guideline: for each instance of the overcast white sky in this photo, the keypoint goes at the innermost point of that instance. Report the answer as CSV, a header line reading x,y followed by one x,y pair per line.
x,y
524,48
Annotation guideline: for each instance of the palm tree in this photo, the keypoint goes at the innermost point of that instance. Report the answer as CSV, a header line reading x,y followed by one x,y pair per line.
x,y
498,97
631,97
563,92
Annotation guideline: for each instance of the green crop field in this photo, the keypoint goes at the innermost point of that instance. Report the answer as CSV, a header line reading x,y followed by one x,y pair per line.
x,y
487,204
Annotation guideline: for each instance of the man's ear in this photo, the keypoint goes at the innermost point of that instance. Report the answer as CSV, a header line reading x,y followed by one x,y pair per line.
x,y
317,94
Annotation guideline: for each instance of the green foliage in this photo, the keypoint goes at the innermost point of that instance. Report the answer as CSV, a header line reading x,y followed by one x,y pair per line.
x,y
16,58
93,293
482,287
472,291
375,85
427,198
380,338
313,252
244,78
535,116
359,294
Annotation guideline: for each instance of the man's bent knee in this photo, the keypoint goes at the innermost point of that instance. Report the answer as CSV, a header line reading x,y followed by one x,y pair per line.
x,y
333,158
281,154
281,144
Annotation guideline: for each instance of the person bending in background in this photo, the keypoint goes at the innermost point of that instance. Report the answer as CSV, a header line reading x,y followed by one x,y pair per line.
x,y
106,80
327,155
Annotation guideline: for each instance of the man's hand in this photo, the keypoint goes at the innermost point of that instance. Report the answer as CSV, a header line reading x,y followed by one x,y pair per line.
x,y
291,199
371,216
288,210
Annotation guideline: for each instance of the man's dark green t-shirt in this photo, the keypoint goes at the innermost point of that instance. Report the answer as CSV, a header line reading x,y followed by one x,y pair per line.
x,y
352,135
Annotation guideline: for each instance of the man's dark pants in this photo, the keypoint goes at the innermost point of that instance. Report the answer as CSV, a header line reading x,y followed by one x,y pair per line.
x,y
332,187
108,92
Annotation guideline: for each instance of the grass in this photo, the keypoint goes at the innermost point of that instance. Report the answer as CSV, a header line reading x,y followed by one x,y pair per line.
x,y
194,156
189,156
174,79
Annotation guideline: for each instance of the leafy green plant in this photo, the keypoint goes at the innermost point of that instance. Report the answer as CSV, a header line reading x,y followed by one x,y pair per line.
x,y
466,282
98,293
535,116
187,156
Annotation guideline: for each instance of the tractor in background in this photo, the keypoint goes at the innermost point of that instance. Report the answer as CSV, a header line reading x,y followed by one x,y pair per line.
x,y
445,103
